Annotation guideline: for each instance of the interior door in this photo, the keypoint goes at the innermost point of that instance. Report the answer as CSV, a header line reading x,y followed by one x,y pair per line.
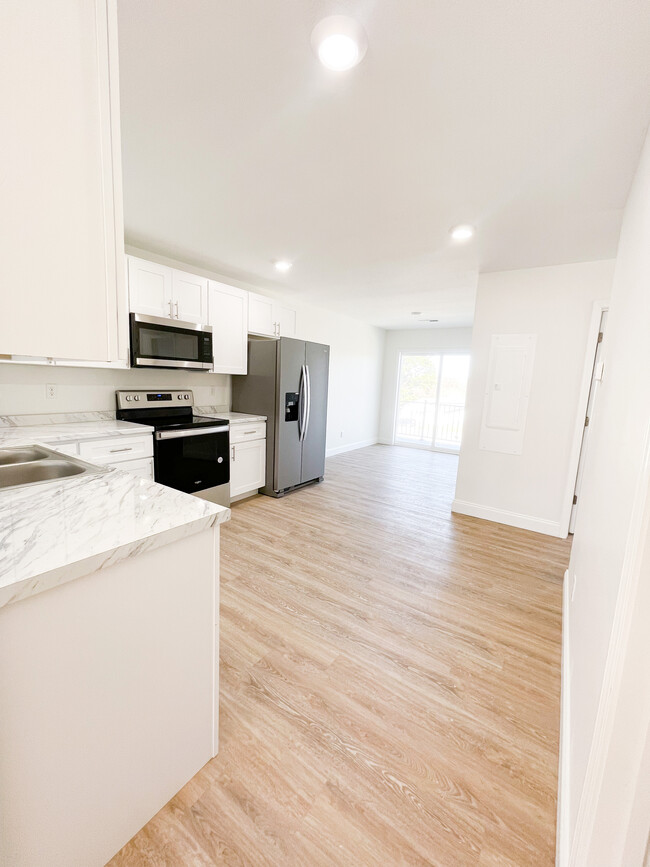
x,y
190,297
288,450
596,377
317,357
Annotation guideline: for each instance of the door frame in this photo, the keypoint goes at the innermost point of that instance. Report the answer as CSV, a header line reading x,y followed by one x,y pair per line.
x,y
597,310
441,352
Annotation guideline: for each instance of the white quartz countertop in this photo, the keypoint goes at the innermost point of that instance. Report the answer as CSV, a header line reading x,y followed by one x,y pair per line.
x,y
78,430
55,532
236,417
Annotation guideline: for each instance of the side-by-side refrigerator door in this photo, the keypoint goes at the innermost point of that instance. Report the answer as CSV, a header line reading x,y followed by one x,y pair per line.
x,y
315,380
288,448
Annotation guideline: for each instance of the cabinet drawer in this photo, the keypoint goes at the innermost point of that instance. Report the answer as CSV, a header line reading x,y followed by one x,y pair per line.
x,y
142,468
117,449
241,433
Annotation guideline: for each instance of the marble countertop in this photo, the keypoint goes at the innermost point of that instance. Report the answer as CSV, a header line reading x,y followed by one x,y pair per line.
x,y
55,532
236,417
79,430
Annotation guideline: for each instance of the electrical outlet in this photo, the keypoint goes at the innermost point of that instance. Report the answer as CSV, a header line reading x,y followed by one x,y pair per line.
x,y
50,391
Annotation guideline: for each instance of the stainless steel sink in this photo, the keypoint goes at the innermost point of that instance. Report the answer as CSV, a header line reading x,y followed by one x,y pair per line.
x,y
33,465
23,454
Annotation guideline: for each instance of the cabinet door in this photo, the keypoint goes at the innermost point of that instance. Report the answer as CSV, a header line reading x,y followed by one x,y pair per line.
x,y
260,315
60,231
190,297
285,319
143,468
228,312
247,467
150,288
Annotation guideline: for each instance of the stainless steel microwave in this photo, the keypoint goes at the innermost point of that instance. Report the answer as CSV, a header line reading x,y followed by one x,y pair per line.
x,y
159,342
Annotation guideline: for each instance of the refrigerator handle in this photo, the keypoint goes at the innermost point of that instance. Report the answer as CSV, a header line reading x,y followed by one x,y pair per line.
x,y
307,402
302,404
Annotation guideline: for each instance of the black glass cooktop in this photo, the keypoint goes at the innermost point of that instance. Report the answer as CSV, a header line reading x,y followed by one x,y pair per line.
x,y
165,419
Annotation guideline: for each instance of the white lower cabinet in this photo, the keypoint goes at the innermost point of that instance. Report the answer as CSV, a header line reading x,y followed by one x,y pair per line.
x,y
133,454
247,458
117,449
143,468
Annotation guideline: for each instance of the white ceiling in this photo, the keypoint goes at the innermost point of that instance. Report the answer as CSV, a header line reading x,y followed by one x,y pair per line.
x,y
523,118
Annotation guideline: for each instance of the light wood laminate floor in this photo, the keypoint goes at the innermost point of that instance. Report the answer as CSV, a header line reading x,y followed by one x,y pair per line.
x,y
389,683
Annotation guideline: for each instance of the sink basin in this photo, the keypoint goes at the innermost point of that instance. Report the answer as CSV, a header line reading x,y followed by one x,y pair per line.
x,y
22,455
33,465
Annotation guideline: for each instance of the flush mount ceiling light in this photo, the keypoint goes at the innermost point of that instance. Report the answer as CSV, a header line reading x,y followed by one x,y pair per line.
x,y
283,265
340,42
462,233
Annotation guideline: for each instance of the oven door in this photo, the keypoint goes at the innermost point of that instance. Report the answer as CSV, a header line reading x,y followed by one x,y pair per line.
x,y
192,460
157,342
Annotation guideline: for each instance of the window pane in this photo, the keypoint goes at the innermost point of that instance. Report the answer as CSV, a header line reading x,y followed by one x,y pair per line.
x,y
453,385
418,387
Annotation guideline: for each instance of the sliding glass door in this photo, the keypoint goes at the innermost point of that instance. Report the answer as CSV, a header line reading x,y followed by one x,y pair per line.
x,y
431,400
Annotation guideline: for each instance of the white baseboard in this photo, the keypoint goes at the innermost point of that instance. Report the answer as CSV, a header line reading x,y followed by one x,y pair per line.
x,y
350,447
562,840
502,516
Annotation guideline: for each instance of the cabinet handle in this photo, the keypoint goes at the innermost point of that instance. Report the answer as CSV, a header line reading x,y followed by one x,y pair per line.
x,y
248,432
176,306
128,449
233,453
171,315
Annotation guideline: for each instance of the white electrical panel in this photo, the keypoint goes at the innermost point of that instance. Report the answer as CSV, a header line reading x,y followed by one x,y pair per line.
x,y
509,377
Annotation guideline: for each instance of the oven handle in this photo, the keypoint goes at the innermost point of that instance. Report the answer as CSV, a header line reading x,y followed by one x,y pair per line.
x,y
177,434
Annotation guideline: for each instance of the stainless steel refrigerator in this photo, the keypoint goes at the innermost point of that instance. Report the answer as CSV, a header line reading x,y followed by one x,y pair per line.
x,y
287,382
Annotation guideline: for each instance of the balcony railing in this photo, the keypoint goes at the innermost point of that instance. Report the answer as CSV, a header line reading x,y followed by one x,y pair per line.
x,y
419,424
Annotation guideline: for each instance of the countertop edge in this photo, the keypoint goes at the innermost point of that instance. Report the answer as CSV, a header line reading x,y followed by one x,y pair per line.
x,y
28,587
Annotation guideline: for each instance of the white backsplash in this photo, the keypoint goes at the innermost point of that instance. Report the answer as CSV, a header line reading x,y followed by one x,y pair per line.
x,y
81,390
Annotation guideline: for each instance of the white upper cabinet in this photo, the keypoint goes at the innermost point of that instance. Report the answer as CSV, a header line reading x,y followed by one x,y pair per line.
x,y
228,309
189,297
150,288
260,315
269,318
61,232
156,290
286,321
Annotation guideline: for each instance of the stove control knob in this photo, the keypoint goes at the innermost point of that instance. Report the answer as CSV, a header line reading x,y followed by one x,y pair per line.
x,y
136,397
187,397
128,397
179,396
219,460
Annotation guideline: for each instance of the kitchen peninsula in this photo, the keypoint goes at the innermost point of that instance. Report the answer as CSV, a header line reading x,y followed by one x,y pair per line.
x,y
109,599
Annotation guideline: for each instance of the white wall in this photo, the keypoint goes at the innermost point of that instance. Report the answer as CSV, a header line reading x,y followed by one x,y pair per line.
x,y
356,360
85,389
609,694
414,340
555,303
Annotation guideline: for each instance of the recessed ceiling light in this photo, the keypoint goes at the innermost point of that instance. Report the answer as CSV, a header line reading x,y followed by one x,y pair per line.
x,y
283,265
462,233
340,42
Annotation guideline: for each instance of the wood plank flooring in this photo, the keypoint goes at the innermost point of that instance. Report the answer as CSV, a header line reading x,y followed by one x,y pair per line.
x,y
389,683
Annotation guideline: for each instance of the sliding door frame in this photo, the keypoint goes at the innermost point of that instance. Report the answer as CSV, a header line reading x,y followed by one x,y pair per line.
x,y
441,353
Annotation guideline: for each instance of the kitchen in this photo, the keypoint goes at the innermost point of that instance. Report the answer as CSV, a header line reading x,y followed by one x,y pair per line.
x,y
244,616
